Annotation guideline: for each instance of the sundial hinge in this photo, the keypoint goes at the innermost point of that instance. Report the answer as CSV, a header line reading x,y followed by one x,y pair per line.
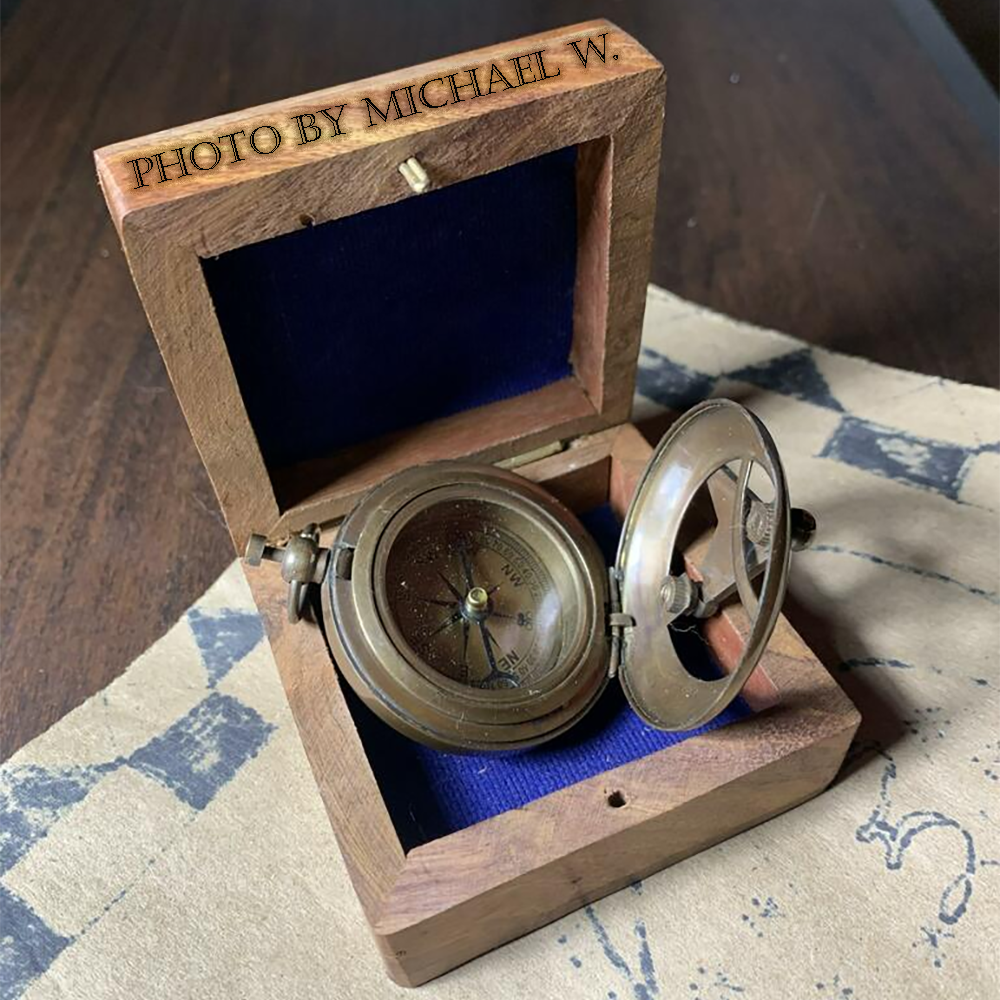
x,y
617,623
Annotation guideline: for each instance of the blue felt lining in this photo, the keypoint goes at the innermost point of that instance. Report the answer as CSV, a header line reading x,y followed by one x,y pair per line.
x,y
342,332
430,794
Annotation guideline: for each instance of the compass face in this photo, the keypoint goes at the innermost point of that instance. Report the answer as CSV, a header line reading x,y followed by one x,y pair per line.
x,y
466,607
471,596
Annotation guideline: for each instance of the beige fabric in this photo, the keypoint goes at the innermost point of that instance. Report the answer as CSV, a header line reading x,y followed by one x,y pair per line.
x,y
166,839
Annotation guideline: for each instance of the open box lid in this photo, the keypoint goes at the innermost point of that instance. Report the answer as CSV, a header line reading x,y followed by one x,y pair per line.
x,y
445,262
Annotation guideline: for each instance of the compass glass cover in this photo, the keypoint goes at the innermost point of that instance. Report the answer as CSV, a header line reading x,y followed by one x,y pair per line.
x,y
478,592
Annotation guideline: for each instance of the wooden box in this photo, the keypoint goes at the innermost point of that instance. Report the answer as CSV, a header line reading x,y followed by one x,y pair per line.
x,y
447,262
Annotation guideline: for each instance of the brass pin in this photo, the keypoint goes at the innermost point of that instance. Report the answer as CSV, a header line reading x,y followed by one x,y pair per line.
x,y
477,600
415,175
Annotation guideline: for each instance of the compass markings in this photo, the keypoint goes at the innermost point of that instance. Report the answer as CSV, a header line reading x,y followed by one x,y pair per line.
x,y
505,650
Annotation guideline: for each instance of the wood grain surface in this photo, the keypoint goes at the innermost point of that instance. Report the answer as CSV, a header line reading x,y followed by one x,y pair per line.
x,y
817,176
613,112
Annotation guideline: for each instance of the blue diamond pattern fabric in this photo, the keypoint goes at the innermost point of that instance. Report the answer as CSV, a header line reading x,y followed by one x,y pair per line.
x,y
906,458
167,838
27,946
224,637
793,374
202,751
670,383
32,798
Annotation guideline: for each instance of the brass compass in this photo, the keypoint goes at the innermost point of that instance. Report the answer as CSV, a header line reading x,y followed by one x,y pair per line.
x,y
471,610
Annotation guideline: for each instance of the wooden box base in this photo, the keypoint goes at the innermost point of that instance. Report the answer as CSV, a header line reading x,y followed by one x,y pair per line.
x,y
448,900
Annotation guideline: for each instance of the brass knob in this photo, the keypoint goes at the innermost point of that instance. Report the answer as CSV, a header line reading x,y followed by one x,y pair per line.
x,y
679,594
302,562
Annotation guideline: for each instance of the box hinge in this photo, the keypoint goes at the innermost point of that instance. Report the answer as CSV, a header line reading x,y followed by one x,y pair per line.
x,y
536,454
617,623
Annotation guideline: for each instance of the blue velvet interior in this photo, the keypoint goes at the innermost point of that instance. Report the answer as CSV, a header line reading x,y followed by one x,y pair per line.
x,y
345,331
430,794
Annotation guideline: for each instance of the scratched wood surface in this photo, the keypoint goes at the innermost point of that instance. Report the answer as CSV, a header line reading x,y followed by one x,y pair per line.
x,y
815,178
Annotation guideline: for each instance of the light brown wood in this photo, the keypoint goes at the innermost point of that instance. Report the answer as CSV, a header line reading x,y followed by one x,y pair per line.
x,y
343,775
449,900
611,110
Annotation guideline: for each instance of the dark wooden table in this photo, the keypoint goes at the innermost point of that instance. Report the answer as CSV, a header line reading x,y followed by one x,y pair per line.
x,y
818,177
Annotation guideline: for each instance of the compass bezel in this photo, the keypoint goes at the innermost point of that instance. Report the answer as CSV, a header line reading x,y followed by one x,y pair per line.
x,y
421,703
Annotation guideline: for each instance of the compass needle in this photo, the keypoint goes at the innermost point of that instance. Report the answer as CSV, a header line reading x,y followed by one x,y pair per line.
x,y
491,659
497,678
454,590
450,620
466,567
436,600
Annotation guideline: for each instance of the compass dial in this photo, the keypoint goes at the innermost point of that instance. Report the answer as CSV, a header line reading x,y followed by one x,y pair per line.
x,y
465,606
470,596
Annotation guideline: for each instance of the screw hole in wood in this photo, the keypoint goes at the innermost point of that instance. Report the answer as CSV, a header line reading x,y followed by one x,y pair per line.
x,y
306,220
616,800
